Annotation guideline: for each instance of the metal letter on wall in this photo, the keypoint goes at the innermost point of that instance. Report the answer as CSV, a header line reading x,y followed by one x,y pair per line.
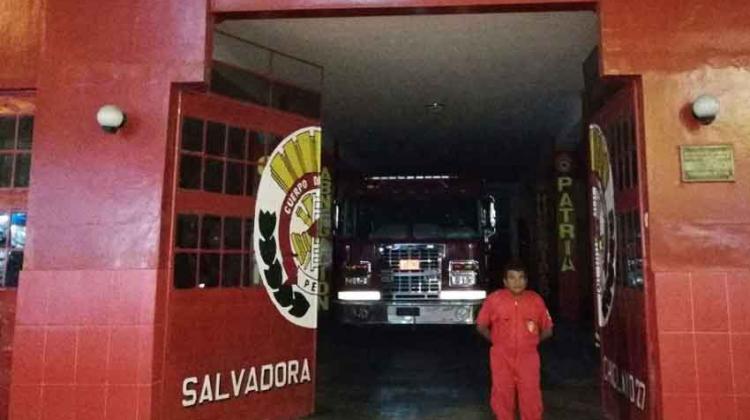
x,y
566,215
287,214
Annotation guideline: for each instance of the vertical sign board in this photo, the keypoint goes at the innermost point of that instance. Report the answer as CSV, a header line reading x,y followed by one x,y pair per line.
x,y
325,234
618,259
567,273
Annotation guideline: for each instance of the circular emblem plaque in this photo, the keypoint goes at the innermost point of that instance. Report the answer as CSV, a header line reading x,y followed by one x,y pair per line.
x,y
604,224
286,240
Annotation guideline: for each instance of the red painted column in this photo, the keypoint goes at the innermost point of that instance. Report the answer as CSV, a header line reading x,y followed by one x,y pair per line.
x,y
90,309
698,234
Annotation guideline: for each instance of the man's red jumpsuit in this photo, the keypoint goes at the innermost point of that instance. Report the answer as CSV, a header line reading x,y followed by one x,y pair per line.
x,y
515,323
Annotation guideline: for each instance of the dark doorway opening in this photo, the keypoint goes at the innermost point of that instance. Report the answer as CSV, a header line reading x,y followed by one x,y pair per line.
x,y
489,96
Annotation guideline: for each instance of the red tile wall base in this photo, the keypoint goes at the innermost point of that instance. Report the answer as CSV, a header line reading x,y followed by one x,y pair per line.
x,y
704,344
7,323
84,345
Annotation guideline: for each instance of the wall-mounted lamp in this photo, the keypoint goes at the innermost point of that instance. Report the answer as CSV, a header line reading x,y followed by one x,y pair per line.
x,y
110,118
705,109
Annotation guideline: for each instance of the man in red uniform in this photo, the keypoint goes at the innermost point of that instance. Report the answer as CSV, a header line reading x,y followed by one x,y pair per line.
x,y
515,320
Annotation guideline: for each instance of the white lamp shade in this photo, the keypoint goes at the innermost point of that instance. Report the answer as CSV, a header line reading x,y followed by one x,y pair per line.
x,y
110,116
706,108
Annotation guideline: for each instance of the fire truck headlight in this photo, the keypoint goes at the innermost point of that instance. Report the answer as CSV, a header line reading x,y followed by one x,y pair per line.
x,y
463,273
359,295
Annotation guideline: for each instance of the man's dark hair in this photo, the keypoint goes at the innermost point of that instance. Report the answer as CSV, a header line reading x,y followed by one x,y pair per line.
x,y
515,265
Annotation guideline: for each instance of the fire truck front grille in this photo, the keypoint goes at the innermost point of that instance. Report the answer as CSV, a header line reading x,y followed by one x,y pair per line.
x,y
414,284
411,286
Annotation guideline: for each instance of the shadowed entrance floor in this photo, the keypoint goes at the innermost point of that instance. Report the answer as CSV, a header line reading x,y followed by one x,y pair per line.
x,y
440,373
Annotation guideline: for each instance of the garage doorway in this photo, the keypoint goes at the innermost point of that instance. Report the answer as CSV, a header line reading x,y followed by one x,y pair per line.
x,y
488,96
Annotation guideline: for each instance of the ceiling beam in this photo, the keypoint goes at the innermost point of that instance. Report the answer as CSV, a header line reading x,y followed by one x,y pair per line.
x,y
244,9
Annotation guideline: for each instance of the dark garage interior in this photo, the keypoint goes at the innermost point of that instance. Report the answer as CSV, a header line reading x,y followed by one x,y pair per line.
x,y
484,96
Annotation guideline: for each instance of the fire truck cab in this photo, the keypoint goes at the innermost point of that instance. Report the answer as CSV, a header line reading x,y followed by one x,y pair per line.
x,y
411,250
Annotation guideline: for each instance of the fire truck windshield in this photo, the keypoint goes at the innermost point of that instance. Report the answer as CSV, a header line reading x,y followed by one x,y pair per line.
x,y
449,218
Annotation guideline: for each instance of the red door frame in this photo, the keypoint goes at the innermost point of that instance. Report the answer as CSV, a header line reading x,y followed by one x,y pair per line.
x,y
248,9
630,96
244,312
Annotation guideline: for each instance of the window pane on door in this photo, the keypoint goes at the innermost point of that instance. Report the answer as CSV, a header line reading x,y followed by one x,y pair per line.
x,y
185,266
190,172
248,244
25,132
23,166
211,232
210,270
187,231
216,135
232,233
236,148
6,170
8,133
232,270
214,177
252,180
235,181
192,134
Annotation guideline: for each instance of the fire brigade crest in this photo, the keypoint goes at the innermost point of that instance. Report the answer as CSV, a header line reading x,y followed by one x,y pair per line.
x,y
604,224
285,238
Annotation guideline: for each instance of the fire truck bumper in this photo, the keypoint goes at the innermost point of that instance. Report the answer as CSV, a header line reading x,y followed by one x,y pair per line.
x,y
453,312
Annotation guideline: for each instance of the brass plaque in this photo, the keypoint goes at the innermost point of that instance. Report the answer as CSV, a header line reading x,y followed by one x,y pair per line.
x,y
707,163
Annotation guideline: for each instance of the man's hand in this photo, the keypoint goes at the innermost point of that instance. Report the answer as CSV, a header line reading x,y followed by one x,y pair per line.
x,y
485,332
545,334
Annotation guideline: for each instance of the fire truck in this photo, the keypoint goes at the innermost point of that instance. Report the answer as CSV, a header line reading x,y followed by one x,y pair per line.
x,y
411,250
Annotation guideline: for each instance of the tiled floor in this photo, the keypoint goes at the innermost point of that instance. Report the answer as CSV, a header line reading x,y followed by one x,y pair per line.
x,y
440,373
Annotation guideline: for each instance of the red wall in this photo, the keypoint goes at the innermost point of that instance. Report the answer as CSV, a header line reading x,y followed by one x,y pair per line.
x,y
7,324
639,36
699,247
87,309
698,233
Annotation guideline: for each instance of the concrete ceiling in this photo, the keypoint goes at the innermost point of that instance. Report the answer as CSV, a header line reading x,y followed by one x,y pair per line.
x,y
510,85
